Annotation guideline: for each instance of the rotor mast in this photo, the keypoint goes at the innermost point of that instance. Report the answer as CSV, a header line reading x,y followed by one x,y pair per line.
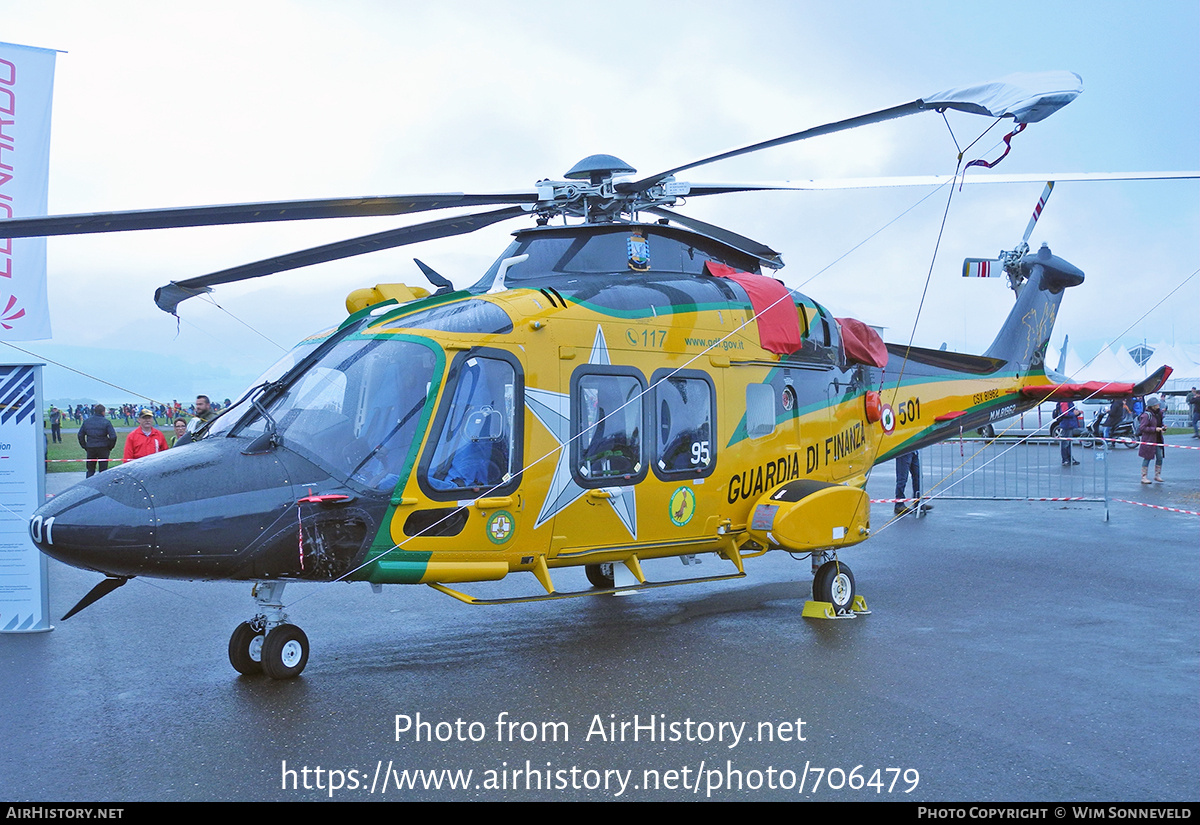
x,y
602,198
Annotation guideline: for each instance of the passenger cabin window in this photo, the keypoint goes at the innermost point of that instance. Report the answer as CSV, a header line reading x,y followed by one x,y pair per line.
x,y
606,422
683,427
477,451
760,410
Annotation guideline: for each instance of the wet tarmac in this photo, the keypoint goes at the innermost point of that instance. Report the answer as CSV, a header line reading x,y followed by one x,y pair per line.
x,y
1016,651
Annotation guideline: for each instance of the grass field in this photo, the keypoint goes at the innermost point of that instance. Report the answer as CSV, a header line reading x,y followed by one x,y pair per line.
x,y
69,457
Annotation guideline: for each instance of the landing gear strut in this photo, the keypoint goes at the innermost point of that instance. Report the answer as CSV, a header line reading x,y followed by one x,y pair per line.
x,y
268,643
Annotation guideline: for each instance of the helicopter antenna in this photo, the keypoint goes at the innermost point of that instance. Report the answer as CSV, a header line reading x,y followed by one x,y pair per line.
x,y
443,285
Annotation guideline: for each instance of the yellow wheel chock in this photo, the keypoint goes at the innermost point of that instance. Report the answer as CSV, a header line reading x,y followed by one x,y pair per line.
x,y
824,610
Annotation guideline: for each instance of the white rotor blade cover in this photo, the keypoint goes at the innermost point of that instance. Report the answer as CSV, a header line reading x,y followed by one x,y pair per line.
x,y
1027,97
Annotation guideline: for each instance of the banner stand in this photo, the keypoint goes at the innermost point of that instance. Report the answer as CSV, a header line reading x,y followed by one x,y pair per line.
x,y
24,591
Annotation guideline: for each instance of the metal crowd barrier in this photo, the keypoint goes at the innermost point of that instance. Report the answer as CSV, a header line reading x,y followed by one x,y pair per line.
x,y
1028,469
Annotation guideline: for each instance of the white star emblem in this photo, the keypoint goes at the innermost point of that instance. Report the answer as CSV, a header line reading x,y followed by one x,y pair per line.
x,y
553,409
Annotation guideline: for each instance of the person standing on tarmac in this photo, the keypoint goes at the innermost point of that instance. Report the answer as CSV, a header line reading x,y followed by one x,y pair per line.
x,y
97,438
1193,400
146,439
180,430
1150,433
1069,426
909,464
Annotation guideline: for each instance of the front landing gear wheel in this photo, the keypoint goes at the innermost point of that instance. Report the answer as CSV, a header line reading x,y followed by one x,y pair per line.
x,y
245,649
284,652
834,583
600,575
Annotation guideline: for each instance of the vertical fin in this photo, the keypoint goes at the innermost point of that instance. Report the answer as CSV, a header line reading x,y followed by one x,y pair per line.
x,y
1023,338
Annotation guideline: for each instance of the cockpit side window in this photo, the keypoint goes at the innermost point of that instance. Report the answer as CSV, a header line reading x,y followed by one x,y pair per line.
x,y
477,450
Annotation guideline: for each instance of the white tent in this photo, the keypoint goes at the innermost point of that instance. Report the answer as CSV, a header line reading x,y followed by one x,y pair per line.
x,y
1108,365
1185,372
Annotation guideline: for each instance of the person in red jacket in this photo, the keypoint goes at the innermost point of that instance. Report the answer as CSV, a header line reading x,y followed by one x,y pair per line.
x,y
146,439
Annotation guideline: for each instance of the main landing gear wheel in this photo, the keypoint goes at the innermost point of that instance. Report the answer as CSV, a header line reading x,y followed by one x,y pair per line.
x,y
284,652
834,583
245,649
600,575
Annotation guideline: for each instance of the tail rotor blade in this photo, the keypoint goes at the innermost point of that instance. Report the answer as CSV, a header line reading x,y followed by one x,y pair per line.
x,y
982,267
1037,211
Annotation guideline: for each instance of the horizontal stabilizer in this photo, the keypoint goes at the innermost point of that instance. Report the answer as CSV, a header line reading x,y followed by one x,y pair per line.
x,y
1098,389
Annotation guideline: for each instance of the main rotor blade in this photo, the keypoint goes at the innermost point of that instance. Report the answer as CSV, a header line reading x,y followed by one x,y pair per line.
x,y
821,184
266,211
751,247
169,297
816,131
1027,98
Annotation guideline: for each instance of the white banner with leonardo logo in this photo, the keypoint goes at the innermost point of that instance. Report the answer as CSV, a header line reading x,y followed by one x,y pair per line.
x,y
26,91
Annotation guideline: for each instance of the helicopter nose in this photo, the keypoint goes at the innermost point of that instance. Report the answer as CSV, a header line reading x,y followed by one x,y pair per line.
x,y
105,523
197,511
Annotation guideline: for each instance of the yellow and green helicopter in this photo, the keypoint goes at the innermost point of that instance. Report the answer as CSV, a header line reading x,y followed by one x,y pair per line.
x,y
626,384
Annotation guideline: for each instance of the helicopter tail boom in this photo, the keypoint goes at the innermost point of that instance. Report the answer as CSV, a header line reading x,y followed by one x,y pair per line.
x,y
940,395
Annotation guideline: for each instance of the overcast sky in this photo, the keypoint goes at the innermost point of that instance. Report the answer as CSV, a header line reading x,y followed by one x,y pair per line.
x,y
161,104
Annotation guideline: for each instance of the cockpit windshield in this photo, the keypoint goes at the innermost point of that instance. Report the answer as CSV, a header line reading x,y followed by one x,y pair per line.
x,y
357,409
233,413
